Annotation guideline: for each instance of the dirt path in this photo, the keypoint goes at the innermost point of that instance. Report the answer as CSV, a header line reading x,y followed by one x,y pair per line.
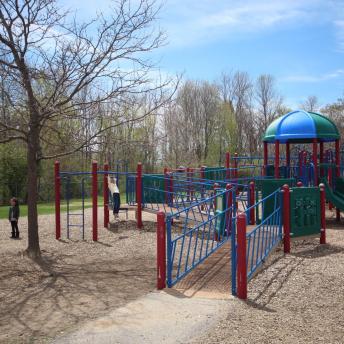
x,y
74,282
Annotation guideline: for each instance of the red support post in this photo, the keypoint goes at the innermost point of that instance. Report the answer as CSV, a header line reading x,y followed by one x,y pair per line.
x,y
265,164
95,201
252,201
161,250
277,157
315,161
57,200
228,159
241,249
321,158
323,214
106,195
139,195
286,218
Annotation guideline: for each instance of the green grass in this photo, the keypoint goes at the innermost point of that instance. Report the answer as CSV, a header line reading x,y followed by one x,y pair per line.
x,y
49,208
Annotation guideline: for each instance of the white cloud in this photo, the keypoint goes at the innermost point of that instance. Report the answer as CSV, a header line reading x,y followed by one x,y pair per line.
x,y
339,73
197,21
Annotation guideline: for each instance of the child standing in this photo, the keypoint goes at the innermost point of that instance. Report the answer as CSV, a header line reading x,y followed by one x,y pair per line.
x,y
115,195
13,217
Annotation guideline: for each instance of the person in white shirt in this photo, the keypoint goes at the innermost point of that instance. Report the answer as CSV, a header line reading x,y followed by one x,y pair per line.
x,y
115,195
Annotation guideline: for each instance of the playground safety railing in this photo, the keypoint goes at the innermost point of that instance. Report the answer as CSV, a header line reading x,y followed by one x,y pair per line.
x,y
197,231
264,237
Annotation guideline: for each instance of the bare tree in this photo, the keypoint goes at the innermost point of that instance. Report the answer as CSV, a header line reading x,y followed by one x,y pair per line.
x,y
51,60
269,101
310,104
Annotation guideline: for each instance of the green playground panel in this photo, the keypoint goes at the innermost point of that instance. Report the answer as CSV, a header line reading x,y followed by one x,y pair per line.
x,y
305,217
154,188
268,187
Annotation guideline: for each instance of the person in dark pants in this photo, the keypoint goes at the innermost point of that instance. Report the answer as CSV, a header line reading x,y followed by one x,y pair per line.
x,y
13,217
115,196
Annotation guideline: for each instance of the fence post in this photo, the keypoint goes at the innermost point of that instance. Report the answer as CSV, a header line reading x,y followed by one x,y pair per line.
x,y
228,159
57,200
286,218
188,192
139,195
322,214
170,185
161,250
252,201
106,195
94,201
242,267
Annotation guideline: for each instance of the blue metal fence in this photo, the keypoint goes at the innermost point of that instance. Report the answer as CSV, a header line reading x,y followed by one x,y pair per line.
x,y
204,228
263,238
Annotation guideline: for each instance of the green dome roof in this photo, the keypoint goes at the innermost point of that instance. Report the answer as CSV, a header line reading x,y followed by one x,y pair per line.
x,y
301,126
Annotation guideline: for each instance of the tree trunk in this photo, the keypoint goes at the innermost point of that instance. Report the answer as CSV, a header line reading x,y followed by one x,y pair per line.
x,y
33,249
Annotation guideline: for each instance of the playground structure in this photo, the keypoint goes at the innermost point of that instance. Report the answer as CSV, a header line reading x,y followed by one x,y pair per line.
x,y
253,203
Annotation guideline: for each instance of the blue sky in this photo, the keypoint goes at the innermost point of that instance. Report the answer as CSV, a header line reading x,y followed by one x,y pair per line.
x,y
300,42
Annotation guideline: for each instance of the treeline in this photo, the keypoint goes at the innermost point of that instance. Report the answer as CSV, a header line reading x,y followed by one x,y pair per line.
x,y
202,121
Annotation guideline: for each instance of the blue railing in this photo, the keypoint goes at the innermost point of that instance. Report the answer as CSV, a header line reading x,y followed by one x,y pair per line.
x,y
202,230
264,237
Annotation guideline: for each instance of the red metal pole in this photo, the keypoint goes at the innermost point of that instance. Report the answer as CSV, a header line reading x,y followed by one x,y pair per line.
x,y
277,157
321,158
228,159
57,200
286,218
252,201
161,250
322,212
95,201
265,164
315,161
106,195
242,267
287,153
139,195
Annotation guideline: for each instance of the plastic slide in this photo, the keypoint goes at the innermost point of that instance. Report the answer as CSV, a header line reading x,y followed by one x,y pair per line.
x,y
335,197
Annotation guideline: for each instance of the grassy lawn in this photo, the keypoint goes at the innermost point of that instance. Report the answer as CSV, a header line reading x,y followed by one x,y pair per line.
x,y
49,208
